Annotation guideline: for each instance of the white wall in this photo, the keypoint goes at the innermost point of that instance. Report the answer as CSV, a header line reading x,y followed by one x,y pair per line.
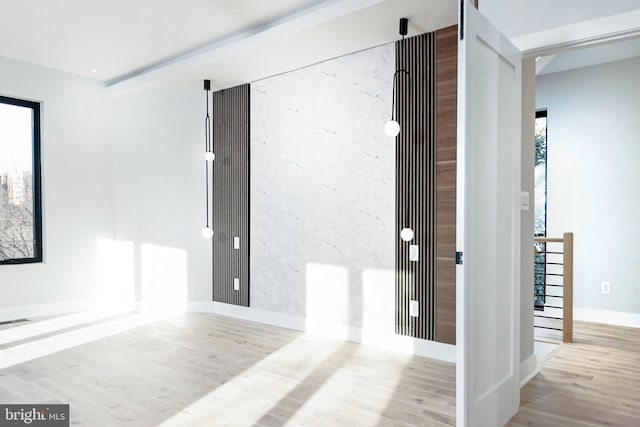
x,y
323,192
593,177
159,195
77,176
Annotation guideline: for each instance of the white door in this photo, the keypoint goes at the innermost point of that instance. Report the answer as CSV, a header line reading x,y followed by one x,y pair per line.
x,y
488,224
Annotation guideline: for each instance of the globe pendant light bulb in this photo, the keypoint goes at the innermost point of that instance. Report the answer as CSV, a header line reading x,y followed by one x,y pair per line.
x,y
392,128
209,156
406,234
207,232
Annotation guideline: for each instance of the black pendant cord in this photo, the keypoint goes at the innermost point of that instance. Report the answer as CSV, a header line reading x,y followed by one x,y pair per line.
x,y
394,115
207,126
212,150
403,31
393,98
408,139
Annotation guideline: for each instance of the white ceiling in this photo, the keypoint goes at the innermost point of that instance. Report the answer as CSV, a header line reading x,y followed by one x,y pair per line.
x,y
545,22
517,17
593,56
135,44
176,44
118,37
331,29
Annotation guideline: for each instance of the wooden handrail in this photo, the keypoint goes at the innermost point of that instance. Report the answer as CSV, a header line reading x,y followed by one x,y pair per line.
x,y
548,239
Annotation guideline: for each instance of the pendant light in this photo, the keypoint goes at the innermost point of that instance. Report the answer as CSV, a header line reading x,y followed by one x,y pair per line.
x,y
406,234
209,156
392,127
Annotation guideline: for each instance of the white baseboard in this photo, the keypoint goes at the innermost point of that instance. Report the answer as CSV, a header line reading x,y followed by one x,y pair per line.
x,y
368,336
528,370
246,313
35,310
617,318
388,341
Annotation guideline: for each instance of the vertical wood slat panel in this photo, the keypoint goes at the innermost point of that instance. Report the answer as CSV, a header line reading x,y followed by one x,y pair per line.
x,y
446,146
231,129
415,180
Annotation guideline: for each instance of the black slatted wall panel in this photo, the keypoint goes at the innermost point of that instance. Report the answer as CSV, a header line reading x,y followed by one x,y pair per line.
x,y
231,195
415,181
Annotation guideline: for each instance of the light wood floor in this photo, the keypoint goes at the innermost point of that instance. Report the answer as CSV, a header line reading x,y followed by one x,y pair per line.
x,y
593,382
208,370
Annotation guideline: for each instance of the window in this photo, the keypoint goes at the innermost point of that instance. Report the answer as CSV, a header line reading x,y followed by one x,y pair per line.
x,y
540,207
540,192
20,198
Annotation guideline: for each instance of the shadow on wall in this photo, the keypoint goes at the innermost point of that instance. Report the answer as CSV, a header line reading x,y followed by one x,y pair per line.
x,y
153,276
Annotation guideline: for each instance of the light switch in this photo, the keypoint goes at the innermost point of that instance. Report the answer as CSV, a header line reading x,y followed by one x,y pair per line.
x,y
414,308
236,242
236,284
524,200
414,253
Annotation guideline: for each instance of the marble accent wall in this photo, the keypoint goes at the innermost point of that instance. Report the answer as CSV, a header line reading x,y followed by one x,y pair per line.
x,y
323,192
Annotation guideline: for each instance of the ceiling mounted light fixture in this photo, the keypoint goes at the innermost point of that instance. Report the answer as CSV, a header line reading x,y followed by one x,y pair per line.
x,y
209,156
392,127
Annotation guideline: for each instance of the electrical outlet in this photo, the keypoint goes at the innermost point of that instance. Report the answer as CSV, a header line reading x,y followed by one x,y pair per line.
x,y
606,288
414,308
236,284
414,253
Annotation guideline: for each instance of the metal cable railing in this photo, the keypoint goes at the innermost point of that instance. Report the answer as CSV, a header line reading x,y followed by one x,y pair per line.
x,y
553,285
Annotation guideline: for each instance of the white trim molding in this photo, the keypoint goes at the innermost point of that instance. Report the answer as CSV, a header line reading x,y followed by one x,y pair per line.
x,y
386,341
528,369
617,318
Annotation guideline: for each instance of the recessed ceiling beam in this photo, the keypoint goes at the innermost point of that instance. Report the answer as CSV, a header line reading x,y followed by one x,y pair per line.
x,y
219,50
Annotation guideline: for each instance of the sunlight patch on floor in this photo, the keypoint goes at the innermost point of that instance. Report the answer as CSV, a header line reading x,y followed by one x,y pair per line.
x,y
266,382
353,394
41,327
43,347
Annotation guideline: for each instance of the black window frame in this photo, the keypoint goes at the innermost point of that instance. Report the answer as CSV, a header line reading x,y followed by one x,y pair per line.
x,y
540,114
540,259
37,181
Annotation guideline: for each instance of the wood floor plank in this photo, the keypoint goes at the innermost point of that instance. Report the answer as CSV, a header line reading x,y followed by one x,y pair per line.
x,y
209,370
594,381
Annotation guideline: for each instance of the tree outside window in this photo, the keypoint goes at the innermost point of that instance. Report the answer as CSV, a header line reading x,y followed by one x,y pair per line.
x,y
20,201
